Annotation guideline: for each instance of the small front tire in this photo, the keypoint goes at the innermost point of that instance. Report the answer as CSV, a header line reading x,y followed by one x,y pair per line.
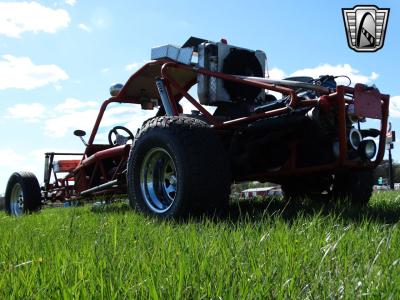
x,y
22,194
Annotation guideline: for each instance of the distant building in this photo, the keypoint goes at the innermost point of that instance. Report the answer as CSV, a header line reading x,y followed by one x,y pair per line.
x,y
386,187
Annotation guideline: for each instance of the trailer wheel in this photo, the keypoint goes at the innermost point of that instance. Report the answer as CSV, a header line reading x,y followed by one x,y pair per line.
x,y
22,194
355,186
177,167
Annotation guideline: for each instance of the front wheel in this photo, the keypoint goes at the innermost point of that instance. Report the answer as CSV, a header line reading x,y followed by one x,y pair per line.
x,y
177,167
22,194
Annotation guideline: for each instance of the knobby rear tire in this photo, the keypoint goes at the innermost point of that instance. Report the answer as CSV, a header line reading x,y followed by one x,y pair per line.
x,y
199,160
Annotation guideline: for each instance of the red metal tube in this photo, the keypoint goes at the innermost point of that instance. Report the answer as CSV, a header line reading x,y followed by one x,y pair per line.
x,y
98,120
212,120
342,124
292,103
171,99
224,76
382,137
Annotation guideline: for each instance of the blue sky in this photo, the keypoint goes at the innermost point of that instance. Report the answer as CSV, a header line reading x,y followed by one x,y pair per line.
x,y
58,58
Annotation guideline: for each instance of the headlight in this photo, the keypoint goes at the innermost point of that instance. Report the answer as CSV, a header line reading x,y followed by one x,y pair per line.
x,y
355,138
367,149
115,89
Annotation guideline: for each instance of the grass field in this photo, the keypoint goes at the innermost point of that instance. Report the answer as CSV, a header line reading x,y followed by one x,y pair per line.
x,y
264,250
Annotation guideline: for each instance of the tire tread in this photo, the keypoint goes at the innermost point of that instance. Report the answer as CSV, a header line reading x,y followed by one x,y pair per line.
x,y
208,186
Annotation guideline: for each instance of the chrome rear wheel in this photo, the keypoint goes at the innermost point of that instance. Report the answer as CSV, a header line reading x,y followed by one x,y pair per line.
x,y
177,168
158,180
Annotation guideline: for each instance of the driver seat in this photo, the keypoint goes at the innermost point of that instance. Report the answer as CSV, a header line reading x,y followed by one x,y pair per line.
x,y
65,165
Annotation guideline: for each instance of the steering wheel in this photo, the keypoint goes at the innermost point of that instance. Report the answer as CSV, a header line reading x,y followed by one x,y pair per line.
x,y
117,139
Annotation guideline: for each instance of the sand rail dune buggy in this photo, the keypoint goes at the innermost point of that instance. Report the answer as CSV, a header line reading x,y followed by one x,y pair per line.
x,y
311,139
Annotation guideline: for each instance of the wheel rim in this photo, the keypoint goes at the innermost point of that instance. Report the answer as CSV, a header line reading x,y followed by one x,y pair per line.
x,y
158,180
17,200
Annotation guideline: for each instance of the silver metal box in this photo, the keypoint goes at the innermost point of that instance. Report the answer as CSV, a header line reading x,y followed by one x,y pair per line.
x,y
182,55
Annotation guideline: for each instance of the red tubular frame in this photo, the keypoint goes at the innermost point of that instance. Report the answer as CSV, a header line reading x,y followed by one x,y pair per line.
x,y
288,169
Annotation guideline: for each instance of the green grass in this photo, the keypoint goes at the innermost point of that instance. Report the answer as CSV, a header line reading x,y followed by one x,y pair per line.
x,y
263,250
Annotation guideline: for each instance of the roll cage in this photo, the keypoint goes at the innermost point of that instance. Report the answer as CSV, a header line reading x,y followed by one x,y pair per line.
x,y
101,169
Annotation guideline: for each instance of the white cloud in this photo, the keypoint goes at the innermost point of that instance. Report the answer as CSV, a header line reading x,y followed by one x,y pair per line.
x,y
22,73
101,18
136,123
19,17
135,66
337,70
70,2
75,114
10,162
70,115
9,158
132,66
62,124
84,27
276,73
394,106
28,112
129,114
72,104
105,70
326,69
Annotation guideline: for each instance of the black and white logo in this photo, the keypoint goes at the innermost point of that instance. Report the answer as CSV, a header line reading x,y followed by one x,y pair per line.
x,y
365,27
